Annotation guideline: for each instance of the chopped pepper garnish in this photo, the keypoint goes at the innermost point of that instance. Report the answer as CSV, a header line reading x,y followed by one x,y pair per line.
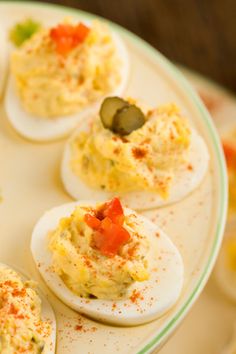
x,y
109,233
66,36
92,221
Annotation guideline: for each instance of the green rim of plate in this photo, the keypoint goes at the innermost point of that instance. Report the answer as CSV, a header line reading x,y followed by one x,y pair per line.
x,y
223,183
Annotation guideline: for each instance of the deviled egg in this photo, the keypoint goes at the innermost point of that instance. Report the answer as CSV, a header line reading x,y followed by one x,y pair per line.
x,y
59,76
27,323
107,262
149,157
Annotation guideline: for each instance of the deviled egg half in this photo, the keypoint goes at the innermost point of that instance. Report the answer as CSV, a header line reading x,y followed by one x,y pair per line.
x,y
27,321
107,262
149,157
60,75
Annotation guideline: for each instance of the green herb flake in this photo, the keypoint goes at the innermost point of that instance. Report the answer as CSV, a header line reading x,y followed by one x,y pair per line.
x,y
24,30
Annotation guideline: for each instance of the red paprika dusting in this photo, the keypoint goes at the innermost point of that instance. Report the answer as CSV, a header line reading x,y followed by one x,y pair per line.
x,y
78,328
190,167
139,153
116,150
13,310
135,296
19,292
132,251
20,317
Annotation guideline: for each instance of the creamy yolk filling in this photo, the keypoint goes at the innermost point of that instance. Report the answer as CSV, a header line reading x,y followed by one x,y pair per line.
x,y
146,159
58,74
85,258
21,327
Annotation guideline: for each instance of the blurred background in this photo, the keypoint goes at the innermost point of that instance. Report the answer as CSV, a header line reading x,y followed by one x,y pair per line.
x,y
197,33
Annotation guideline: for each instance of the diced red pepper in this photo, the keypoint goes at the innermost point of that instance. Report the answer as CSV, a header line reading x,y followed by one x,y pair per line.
x,y
66,37
110,237
109,233
114,211
81,31
92,221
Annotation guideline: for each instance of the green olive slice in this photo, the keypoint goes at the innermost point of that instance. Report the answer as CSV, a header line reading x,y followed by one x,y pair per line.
x,y
109,108
128,119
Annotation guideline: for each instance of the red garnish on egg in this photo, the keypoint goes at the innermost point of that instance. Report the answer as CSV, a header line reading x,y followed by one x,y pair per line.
x,y
66,36
92,221
109,233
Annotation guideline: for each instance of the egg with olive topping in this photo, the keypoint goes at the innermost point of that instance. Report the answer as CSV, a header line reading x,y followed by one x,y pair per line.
x,y
60,75
27,321
107,262
149,157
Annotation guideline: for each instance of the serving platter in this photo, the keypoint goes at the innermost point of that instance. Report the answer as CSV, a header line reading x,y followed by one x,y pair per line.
x,y
30,184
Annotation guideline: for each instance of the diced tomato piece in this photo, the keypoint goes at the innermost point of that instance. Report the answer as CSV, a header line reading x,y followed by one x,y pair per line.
x,y
64,45
92,221
110,237
107,222
114,211
66,37
82,31
62,30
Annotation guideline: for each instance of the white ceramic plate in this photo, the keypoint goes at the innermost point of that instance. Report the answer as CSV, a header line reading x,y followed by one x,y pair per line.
x,y
30,184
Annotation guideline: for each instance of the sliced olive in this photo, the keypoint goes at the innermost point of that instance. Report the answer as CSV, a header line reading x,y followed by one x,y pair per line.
x,y
109,108
127,119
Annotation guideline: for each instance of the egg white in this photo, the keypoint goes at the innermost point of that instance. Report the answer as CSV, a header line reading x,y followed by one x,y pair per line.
x,y
160,292
42,129
47,314
185,180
